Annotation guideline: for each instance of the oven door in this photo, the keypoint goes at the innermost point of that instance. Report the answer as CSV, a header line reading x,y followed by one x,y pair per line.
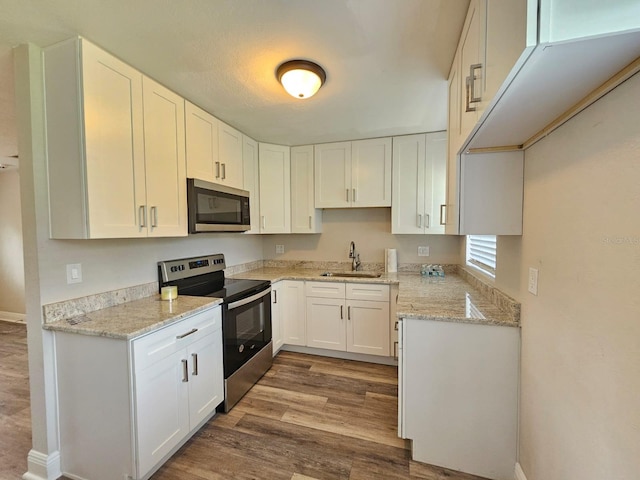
x,y
246,328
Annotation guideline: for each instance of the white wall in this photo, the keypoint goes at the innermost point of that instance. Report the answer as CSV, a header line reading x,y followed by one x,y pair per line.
x,y
370,229
580,380
11,256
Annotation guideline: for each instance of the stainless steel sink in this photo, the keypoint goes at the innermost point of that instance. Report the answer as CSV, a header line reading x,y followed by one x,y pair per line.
x,y
351,274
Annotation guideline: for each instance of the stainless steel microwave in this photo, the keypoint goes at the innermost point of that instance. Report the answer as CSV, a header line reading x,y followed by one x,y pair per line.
x,y
217,208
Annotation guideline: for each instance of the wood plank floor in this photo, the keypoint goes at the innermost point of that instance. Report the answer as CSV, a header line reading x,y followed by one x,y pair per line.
x,y
15,414
308,418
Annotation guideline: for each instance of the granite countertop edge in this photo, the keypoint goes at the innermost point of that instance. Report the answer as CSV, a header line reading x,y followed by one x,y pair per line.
x,y
106,322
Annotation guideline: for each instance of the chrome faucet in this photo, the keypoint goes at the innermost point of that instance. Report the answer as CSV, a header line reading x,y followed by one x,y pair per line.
x,y
355,264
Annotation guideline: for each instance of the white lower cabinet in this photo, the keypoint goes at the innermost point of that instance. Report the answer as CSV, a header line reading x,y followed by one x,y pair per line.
x,y
130,404
458,395
348,317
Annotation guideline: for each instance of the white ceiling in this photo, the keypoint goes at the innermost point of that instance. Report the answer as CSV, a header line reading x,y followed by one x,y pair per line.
x,y
386,60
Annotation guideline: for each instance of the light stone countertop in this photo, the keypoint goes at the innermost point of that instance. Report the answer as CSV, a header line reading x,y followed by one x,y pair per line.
x,y
448,299
134,318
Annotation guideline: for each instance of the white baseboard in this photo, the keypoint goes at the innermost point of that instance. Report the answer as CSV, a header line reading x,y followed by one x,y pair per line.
x,y
519,473
13,317
42,466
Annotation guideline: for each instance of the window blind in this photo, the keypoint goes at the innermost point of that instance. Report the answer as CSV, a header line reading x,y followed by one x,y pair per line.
x,y
481,253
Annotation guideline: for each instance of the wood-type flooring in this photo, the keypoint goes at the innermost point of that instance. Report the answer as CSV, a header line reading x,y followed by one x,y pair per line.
x,y
308,418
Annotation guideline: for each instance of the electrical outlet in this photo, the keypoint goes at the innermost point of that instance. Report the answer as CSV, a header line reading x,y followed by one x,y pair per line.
x,y
423,251
279,248
533,281
74,273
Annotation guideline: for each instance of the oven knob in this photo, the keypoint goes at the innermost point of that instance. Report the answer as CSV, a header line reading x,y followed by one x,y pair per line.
x,y
241,348
174,269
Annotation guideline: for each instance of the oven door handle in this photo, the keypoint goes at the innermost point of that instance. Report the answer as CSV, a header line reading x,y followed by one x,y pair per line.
x,y
250,299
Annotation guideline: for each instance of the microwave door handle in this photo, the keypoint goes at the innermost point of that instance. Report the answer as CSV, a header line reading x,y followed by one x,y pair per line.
x,y
250,299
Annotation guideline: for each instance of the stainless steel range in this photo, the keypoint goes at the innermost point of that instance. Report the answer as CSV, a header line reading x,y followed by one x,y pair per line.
x,y
246,317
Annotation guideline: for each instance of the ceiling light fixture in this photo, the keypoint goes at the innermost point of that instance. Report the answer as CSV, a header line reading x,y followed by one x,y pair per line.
x,y
301,78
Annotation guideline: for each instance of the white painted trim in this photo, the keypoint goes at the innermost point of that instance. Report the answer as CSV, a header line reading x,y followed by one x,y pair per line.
x,y
361,357
13,317
42,466
519,474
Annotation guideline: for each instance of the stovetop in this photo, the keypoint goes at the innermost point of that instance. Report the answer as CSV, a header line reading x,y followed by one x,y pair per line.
x,y
204,277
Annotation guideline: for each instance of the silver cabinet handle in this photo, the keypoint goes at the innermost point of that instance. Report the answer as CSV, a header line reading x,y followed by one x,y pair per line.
x,y
395,327
467,89
473,77
217,169
349,312
153,213
442,214
224,171
347,194
190,332
275,296
427,217
142,214
419,221
310,222
194,356
264,222
341,312
355,197
185,371
395,350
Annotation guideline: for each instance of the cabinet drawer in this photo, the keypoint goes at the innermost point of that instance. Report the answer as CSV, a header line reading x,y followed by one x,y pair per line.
x,y
368,291
159,344
325,289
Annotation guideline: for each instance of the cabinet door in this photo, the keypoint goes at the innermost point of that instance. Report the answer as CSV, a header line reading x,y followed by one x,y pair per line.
x,y
206,377
304,216
491,193
472,66
333,175
407,209
276,316
293,309
371,173
368,327
202,143
229,156
165,166
453,132
435,183
114,143
162,409
275,188
251,180
326,323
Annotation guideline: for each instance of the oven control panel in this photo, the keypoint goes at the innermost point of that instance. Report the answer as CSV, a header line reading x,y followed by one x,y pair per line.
x,y
188,267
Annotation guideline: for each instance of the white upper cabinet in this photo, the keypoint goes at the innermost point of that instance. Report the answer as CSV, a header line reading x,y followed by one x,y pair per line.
x,y
114,142
165,167
538,60
353,174
305,218
419,183
333,175
371,173
251,179
229,170
202,143
275,188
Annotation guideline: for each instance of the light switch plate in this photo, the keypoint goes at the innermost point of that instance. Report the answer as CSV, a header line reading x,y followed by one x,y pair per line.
x,y
423,251
74,273
279,248
533,280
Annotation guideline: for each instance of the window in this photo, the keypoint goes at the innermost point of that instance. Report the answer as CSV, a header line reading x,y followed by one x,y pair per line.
x,y
481,253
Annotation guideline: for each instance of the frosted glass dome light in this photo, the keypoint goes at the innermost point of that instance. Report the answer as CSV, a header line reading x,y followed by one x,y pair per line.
x,y
301,78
